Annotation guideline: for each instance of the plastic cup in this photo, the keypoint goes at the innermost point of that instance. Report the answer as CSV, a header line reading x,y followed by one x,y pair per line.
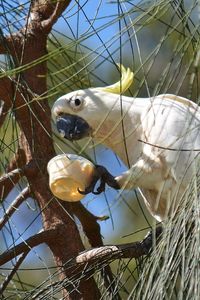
x,y
67,174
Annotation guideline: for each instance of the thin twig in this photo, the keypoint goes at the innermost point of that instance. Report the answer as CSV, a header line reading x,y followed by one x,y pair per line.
x,y
13,272
168,148
15,204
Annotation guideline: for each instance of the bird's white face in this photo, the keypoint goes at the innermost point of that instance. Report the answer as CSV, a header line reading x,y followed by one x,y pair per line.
x,y
76,113
65,113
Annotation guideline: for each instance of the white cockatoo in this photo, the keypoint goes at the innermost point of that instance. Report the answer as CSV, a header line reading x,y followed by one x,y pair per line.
x,y
158,138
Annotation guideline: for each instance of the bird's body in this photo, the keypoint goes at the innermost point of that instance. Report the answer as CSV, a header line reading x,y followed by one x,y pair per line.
x,y
157,138
162,161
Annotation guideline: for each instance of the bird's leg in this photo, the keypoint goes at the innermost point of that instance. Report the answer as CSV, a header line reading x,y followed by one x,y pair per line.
x,y
101,174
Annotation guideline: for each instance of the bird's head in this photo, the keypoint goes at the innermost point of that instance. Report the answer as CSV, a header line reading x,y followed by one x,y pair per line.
x,y
79,113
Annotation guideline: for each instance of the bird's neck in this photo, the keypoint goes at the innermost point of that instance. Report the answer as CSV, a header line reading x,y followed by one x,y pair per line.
x,y
121,128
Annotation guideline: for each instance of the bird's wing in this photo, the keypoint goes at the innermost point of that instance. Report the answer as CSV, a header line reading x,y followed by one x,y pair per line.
x,y
179,99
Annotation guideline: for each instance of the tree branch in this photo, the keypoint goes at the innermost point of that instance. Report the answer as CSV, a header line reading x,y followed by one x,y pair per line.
x,y
4,42
8,181
44,14
89,223
2,49
87,262
61,5
5,106
41,237
10,92
14,173
11,176
13,272
15,204
130,250
6,90
93,233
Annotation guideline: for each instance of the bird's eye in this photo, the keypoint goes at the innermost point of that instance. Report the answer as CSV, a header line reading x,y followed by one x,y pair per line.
x,y
76,103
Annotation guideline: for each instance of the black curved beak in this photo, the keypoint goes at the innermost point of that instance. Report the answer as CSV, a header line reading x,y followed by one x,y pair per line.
x,y
72,127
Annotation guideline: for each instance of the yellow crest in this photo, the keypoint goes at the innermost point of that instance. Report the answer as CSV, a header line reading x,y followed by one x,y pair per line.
x,y
123,84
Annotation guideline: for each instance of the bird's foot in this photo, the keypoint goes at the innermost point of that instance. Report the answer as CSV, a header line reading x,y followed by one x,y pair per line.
x,y
101,174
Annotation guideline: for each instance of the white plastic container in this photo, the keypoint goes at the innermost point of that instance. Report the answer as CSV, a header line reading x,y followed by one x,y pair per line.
x,y
67,174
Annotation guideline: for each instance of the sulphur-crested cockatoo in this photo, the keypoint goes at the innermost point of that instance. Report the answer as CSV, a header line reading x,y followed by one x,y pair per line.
x,y
157,137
